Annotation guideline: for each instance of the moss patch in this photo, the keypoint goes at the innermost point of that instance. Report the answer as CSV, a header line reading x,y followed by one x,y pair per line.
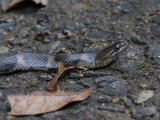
x,y
143,65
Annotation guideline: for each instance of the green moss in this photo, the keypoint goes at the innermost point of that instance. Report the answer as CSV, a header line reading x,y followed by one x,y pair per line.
x,y
143,65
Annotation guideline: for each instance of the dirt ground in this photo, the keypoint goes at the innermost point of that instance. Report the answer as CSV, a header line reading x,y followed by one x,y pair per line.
x,y
132,86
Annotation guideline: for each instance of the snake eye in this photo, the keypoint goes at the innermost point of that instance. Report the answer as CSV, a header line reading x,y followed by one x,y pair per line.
x,y
120,45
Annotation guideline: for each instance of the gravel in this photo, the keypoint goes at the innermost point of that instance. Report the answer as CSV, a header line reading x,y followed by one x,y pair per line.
x,y
87,26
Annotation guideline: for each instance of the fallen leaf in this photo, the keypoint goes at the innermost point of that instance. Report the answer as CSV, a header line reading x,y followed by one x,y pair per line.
x,y
52,85
42,102
8,4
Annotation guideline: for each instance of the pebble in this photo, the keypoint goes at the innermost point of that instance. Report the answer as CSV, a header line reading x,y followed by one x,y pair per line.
x,y
59,25
112,109
45,77
60,36
144,112
154,53
6,25
144,96
113,86
104,100
138,41
128,103
4,50
76,75
155,29
39,28
1,95
129,61
67,33
54,47
131,55
84,84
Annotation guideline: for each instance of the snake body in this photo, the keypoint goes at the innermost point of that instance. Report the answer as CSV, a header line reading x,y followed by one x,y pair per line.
x,y
32,61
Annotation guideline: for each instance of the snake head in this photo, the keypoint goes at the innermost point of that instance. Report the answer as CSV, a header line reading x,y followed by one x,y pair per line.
x,y
109,54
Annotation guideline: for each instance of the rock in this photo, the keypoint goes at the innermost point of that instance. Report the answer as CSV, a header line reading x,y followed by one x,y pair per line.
x,y
84,84
155,29
59,25
112,109
154,53
67,33
105,100
131,55
54,47
39,28
130,61
75,75
6,25
1,95
45,77
138,40
125,6
4,50
60,36
113,86
144,112
144,96
128,103
130,67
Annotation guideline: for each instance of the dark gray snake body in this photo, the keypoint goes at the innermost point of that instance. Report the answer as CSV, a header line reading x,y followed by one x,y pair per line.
x,y
33,61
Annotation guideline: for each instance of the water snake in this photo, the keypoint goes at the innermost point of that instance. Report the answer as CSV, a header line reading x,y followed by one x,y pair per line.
x,y
26,61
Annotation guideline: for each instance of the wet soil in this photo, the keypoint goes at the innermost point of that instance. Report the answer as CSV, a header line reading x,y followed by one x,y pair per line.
x,y
75,26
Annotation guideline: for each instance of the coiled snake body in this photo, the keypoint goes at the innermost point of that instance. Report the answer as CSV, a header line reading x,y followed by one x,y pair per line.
x,y
32,61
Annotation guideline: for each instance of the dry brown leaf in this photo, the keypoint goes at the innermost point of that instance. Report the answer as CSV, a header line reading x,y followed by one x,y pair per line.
x,y
52,85
8,4
42,102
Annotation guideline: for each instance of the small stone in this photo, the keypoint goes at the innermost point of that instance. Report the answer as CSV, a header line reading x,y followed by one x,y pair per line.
x,y
6,25
54,47
45,77
112,109
113,86
144,96
60,36
59,25
75,75
131,55
4,50
67,33
154,53
39,28
1,95
155,29
84,84
128,103
105,100
144,112
138,41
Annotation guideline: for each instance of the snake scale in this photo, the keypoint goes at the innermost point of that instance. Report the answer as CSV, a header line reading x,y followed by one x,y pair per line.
x,y
32,61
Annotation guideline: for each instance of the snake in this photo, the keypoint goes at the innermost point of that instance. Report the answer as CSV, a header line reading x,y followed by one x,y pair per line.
x,y
26,61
